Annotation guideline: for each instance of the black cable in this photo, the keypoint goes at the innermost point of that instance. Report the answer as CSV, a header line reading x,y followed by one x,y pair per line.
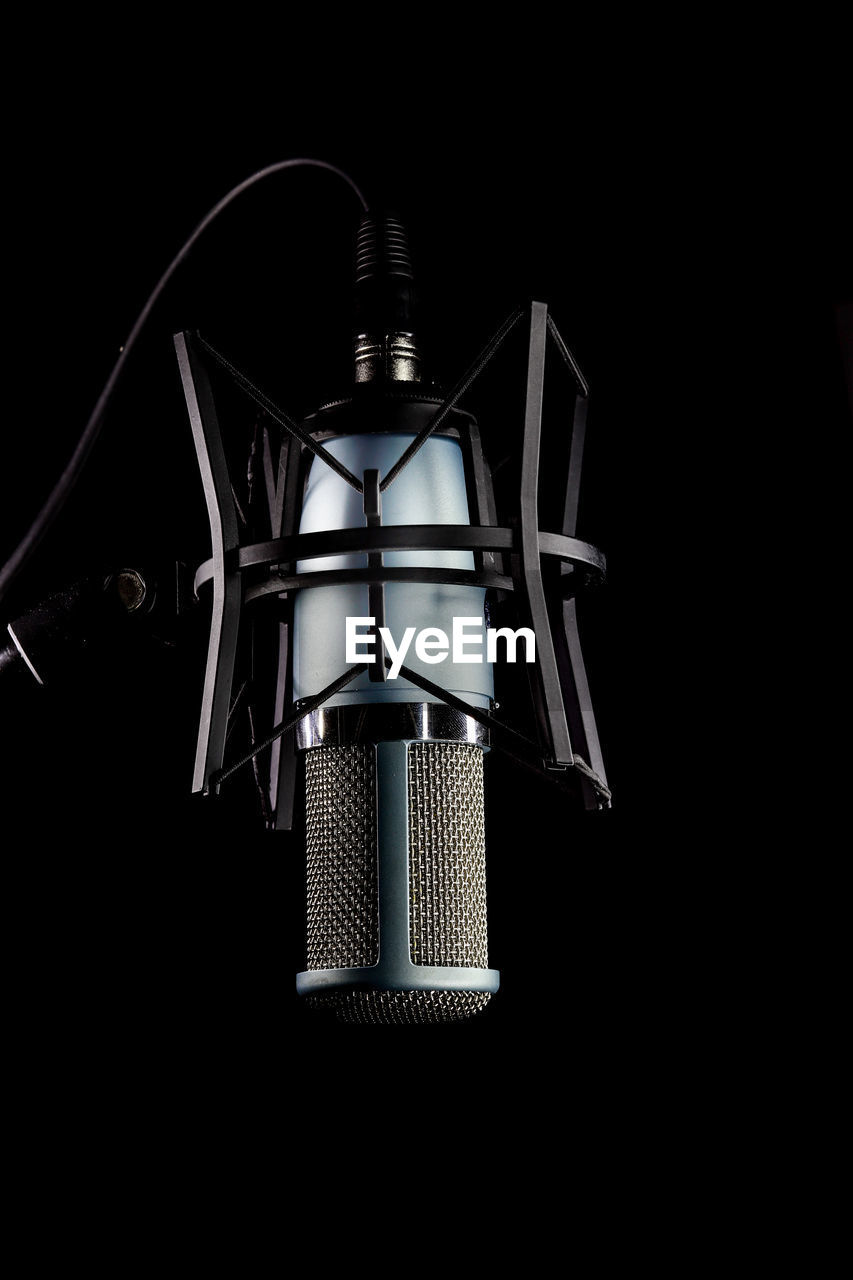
x,y
70,475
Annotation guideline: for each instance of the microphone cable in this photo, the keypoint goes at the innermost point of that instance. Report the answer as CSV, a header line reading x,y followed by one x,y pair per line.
x,y
57,498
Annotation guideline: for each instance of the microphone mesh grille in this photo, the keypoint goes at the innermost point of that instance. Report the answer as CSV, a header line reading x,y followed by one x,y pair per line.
x,y
447,855
403,1007
447,875
340,814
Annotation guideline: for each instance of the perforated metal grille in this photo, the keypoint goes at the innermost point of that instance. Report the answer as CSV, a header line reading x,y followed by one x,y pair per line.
x,y
447,855
447,876
340,812
404,1007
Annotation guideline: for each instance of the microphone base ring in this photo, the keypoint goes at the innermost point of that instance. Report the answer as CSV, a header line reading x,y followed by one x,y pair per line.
x,y
397,976
389,722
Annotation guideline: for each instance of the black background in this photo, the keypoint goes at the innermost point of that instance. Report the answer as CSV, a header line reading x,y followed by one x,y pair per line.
x,y
159,933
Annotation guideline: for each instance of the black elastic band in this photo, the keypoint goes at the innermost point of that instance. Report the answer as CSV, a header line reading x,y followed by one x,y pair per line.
x,y
582,384
286,726
483,717
278,415
458,391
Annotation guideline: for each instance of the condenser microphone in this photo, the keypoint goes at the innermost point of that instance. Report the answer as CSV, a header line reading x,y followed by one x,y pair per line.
x,y
396,858
383,538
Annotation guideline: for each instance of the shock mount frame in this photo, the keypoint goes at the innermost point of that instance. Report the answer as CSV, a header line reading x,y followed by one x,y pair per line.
x,y
544,571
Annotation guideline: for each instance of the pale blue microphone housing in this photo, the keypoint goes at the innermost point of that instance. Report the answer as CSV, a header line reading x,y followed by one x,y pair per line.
x,y
430,490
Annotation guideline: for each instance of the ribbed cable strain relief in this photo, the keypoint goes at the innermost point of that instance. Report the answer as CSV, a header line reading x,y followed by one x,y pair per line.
x,y
382,248
384,282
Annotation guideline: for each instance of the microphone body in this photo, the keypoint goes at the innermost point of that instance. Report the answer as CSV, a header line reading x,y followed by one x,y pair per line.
x,y
393,777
